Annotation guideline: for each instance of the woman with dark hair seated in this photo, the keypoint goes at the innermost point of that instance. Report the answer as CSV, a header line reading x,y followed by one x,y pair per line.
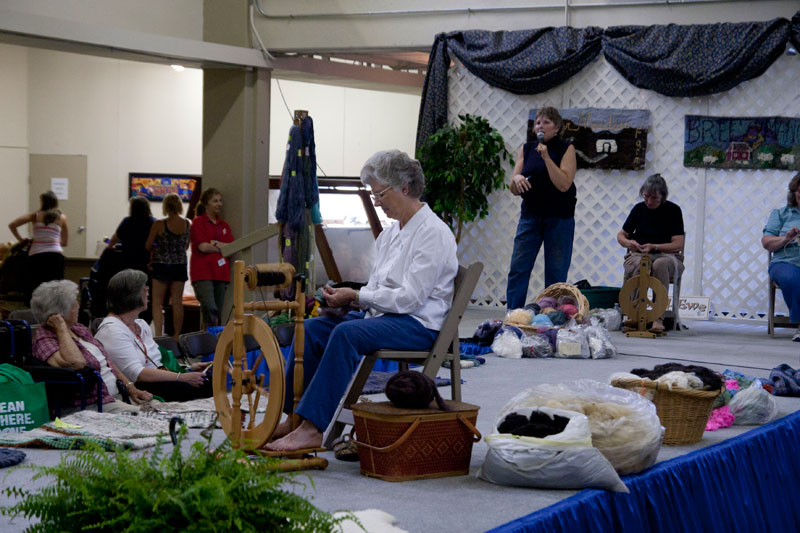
x,y
409,292
130,345
655,227
64,343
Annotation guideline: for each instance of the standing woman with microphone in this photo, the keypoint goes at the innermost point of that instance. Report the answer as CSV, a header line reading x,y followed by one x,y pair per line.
x,y
544,176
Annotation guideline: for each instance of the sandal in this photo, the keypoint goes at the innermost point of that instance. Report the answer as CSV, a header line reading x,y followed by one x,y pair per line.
x,y
345,449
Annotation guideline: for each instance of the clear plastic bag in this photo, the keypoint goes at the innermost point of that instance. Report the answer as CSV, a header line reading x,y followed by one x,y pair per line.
x,y
753,406
572,343
507,344
536,346
566,460
611,319
624,425
600,345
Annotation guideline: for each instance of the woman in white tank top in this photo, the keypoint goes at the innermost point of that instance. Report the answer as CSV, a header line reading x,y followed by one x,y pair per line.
x,y
49,236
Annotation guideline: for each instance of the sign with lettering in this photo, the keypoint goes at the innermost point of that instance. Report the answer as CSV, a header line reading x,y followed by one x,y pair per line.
x,y
22,407
603,138
692,307
742,142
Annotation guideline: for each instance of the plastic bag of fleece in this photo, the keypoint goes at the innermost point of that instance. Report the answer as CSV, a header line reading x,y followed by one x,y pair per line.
x,y
753,406
566,460
572,342
624,424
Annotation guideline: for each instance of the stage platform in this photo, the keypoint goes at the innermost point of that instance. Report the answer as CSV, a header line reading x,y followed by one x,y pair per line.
x,y
742,475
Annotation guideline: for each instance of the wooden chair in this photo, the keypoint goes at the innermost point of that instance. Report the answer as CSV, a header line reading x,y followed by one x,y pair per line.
x,y
445,348
775,321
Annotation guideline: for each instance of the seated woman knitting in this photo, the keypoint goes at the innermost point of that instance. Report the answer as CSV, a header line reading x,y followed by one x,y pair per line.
x,y
130,345
780,238
409,292
655,227
62,342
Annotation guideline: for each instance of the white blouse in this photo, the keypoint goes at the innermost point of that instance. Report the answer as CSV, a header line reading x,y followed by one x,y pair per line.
x,y
413,271
125,350
105,369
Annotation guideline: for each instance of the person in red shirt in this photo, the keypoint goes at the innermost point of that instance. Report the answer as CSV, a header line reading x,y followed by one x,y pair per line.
x,y
210,272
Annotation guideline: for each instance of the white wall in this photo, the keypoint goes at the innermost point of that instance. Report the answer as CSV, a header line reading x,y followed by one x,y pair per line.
x,y
125,116
13,135
349,124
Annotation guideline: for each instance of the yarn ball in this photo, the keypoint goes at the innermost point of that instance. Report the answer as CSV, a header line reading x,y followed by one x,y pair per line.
x,y
519,316
516,331
548,310
534,308
569,310
413,390
558,317
541,320
547,301
567,300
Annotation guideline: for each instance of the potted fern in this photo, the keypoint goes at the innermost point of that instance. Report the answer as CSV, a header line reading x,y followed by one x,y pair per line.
x,y
463,164
210,490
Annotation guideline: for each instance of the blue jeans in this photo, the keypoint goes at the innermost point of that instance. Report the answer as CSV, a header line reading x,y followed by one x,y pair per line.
x,y
787,276
557,235
333,349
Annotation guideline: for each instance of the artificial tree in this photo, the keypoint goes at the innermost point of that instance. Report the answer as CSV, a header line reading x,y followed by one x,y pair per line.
x,y
463,164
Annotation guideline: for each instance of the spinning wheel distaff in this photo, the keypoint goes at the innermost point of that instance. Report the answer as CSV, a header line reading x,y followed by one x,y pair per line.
x,y
248,389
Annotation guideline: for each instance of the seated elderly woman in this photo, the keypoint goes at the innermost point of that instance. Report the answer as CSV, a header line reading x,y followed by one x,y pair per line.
x,y
130,345
409,292
64,343
780,238
655,227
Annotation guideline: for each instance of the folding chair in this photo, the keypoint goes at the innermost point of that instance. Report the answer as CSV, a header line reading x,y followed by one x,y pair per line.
x,y
775,321
197,345
445,348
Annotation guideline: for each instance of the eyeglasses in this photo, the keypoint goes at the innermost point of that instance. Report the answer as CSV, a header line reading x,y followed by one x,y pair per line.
x,y
379,195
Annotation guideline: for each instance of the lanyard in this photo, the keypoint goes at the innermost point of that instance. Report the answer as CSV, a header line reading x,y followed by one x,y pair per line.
x,y
143,349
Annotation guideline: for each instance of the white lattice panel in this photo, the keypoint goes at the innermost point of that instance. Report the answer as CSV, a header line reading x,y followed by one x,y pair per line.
x,y
724,211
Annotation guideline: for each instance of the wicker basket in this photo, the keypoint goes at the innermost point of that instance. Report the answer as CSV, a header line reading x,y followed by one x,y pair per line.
x,y
683,412
403,444
554,291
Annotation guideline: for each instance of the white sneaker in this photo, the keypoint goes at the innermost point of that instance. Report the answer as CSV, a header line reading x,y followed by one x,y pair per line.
x,y
796,337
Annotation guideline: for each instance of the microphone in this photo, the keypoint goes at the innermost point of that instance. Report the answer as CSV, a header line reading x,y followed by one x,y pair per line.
x,y
540,136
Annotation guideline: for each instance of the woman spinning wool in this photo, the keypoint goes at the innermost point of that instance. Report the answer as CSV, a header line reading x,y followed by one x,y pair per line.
x,y
780,238
409,292
655,227
543,176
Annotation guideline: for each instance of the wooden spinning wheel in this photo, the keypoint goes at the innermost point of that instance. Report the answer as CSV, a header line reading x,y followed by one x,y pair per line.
x,y
642,309
249,390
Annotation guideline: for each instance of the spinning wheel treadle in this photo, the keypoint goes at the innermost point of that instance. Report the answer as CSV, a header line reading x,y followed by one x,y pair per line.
x,y
642,309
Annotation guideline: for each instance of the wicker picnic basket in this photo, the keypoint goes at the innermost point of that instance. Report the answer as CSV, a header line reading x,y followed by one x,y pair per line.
x,y
683,412
403,444
554,291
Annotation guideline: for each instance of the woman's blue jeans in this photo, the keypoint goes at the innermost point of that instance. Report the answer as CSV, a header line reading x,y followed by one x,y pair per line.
x,y
557,234
332,350
787,276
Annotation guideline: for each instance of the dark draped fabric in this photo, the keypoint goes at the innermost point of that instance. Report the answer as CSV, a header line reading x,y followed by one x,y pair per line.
x,y
746,483
673,60
522,62
694,60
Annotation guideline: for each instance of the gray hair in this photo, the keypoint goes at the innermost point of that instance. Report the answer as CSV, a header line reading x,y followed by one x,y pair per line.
x,y
655,184
53,297
395,169
124,291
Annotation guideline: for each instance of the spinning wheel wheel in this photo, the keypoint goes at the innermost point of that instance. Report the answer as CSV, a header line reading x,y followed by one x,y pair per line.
x,y
642,309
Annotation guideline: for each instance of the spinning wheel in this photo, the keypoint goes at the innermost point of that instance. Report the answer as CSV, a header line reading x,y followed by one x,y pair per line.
x,y
263,404
642,309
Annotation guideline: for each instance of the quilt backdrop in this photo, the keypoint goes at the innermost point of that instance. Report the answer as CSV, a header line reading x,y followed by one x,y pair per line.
x,y
742,142
604,138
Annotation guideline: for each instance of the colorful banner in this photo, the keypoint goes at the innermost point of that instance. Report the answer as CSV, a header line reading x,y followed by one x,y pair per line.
x,y
155,186
604,138
742,142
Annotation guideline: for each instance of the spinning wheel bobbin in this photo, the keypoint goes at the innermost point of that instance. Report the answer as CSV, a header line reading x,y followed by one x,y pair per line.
x,y
642,309
246,383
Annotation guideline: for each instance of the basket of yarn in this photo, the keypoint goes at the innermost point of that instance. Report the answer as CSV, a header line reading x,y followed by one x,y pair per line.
x,y
683,412
565,294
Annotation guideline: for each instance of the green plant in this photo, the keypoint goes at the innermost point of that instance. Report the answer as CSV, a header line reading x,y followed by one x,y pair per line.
x,y
210,490
463,164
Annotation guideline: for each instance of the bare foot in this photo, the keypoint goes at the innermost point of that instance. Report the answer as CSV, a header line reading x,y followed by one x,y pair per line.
x,y
283,429
658,325
305,436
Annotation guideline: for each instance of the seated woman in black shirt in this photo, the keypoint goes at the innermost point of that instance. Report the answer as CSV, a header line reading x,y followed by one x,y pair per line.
x,y
655,227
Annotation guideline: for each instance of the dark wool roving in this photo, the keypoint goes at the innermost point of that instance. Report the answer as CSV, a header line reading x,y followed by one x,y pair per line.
x,y
557,422
558,317
711,380
533,308
511,423
539,425
413,390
